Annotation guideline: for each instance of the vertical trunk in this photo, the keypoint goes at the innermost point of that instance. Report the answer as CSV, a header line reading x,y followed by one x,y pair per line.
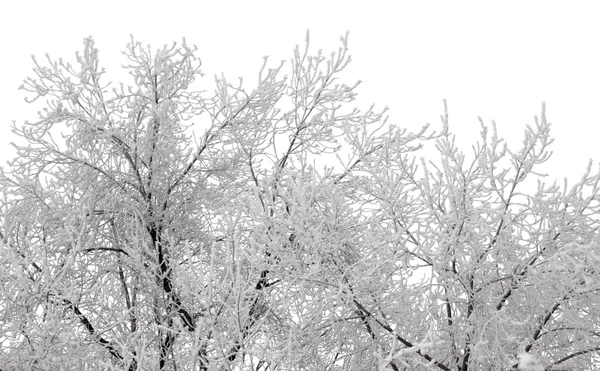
x,y
166,348
470,308
163,280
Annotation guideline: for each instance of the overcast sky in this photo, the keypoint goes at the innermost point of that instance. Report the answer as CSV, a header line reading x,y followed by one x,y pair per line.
x,y
497,61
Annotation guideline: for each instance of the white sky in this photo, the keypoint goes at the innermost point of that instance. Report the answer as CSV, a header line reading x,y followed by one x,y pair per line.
x,y
497,60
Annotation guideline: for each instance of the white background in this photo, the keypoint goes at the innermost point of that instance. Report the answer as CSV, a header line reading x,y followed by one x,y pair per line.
x,y
497,60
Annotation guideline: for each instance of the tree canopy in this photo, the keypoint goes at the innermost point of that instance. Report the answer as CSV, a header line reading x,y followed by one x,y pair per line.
x,y
162,224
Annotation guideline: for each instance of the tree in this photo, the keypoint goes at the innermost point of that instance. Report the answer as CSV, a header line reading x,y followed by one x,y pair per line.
x,y
157,227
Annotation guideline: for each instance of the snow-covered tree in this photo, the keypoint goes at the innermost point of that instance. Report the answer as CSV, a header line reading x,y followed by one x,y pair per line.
x,y
156,225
